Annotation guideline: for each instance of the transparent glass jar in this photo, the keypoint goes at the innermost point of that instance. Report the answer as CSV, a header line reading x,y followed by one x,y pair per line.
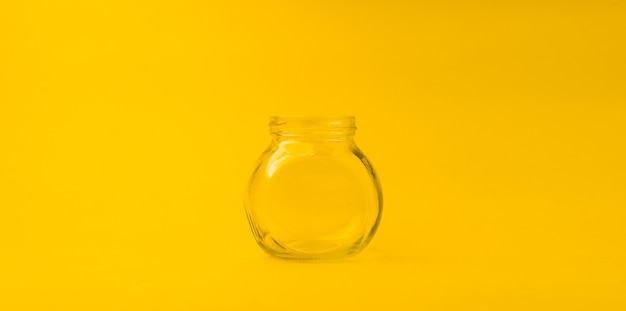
x,y
313,194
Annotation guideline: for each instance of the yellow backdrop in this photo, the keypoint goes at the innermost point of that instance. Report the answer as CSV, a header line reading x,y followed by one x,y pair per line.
x,y
128,130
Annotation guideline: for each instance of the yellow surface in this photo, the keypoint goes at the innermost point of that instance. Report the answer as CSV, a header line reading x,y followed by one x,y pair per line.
x,y
128,130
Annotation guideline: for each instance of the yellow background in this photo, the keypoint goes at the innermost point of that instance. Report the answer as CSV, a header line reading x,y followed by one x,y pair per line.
x,y
128,130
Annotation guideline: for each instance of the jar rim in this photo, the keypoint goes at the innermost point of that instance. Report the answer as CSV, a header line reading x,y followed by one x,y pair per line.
x,y
297,124
314,120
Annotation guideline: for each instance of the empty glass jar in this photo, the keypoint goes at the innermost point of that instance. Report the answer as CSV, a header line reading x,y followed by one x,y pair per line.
x,y
313,194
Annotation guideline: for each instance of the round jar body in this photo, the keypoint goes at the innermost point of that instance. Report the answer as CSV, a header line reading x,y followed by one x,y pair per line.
x,y
313,194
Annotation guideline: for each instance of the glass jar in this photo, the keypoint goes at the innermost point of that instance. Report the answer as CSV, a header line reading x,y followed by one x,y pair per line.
x,y
313,194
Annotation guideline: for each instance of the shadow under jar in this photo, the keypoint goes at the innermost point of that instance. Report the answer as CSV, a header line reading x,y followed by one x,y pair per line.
x,y
313,194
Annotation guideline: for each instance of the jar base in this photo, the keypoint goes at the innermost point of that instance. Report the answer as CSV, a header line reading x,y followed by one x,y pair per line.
x,y
313,250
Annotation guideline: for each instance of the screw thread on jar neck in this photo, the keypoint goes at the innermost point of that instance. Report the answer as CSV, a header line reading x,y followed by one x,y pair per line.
x,y
323,127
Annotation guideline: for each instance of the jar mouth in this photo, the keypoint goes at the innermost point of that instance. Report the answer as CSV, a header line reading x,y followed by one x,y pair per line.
x,y
329,125
313,121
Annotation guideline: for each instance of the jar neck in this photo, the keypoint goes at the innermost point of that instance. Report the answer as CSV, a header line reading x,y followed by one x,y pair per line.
x,y
322,129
